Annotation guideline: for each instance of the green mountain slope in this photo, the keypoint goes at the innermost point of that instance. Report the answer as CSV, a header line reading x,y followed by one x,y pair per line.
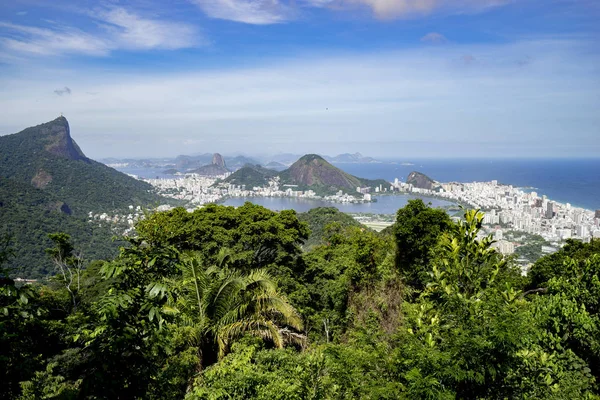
x,y
251,176
28,214
46,157
47,184
314,172
310,172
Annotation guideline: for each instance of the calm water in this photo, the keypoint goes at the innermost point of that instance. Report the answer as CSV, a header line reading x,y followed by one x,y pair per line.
x,y
384,204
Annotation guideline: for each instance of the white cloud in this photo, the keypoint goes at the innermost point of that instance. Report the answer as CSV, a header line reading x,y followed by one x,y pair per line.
x,y
328,104
257,12
119,29
59,40
262,12
130,31
434,38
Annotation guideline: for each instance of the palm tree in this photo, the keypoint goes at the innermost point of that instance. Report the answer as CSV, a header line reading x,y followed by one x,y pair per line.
x,y
221,305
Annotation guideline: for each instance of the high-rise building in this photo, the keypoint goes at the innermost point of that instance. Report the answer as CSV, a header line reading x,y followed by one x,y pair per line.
x,y
597,215
550,210
581,231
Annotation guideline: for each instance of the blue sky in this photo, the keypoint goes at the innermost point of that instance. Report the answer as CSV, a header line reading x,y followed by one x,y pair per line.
x,y
388,78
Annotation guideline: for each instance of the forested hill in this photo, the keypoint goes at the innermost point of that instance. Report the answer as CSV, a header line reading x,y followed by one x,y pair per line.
x,y
47,185
324,222
312,171
46,157
28,215
251,176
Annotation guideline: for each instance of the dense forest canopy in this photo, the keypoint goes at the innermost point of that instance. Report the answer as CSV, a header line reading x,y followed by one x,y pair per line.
x,y
226,303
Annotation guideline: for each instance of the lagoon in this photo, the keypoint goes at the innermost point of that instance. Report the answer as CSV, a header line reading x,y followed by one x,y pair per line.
x,y
388,204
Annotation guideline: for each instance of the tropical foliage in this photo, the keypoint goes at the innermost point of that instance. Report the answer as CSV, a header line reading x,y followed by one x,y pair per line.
x,y
226,303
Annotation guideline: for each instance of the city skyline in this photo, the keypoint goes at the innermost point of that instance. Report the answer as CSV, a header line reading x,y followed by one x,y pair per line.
x,y
387,78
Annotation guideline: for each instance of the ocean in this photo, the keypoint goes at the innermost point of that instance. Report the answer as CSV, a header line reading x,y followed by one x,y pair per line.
x,y
575,181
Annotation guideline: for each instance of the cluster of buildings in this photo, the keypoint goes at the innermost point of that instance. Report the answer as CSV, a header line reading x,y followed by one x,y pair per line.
x,y
191,188
197,190
122,223
518,209
506,207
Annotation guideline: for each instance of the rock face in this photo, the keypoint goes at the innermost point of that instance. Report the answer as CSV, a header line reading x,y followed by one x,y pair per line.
x,y
215,168
41,179
421,181
57,137
218,160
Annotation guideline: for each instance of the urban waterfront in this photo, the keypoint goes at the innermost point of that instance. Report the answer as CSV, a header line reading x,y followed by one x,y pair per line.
x,y
574,181
384,204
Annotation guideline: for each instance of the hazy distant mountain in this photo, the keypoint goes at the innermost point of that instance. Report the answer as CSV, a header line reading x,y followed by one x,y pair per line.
x,y
274,165
183,163
285,158
350,158
235,163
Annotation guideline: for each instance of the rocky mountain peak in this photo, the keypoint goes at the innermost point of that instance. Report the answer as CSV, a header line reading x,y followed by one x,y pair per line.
x,y
56,136
218,160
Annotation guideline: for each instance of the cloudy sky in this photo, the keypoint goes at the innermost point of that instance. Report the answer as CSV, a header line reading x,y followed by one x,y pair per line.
x,y
388,78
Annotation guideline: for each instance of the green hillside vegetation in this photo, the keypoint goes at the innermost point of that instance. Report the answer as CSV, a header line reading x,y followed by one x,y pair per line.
x,y
251,176
322,221
223,303
46,157
29,214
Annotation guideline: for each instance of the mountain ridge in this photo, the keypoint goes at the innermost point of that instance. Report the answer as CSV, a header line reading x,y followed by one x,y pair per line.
x,y
47,185
46,157
309,172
